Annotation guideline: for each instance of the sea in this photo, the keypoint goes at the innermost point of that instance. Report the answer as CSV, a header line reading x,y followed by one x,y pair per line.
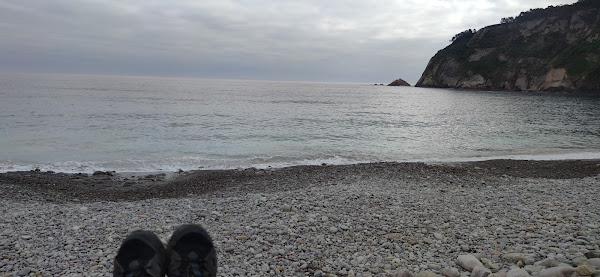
x,y
86,123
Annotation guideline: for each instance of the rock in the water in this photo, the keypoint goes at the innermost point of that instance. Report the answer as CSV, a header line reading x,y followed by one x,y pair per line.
x,y
560,271
517,272
468,262
480,271
399,82
585,270
402,272
450,272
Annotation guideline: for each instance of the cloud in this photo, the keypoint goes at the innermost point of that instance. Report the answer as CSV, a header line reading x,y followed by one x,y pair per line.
x,y
259,39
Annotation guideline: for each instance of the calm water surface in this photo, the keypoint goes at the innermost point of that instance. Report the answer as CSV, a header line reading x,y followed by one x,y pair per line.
x,y
82,123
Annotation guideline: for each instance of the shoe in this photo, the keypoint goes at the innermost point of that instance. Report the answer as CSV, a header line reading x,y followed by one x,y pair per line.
x,y
190,252
141,254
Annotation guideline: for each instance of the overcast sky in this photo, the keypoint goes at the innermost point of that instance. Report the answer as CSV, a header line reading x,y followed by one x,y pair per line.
x,y
312,40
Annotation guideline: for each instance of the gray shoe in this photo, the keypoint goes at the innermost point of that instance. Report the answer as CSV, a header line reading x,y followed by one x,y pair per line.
x,y
141,254
191,253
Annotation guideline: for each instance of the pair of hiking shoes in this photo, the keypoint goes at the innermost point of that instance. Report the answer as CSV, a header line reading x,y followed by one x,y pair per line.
x,y
190,253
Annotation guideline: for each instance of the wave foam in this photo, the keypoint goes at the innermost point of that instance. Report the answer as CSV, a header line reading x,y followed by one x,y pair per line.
x,y
197,163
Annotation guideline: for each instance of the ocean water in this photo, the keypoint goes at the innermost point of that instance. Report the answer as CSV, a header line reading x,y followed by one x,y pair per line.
x,y
83,123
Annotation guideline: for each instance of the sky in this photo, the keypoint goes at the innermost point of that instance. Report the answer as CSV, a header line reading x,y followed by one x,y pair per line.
x,y
371,41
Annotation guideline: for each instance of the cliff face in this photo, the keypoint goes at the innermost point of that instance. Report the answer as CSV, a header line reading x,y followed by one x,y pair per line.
x,y
553,49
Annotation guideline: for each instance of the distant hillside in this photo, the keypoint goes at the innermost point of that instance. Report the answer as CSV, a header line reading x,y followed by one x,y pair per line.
x,y
552,49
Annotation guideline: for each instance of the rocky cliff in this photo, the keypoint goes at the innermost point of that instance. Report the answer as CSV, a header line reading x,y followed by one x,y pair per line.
x,y
552,49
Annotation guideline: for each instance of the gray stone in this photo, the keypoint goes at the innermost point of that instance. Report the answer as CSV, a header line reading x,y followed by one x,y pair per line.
x,y
561,271
585,270
402,272
552,262
450,272
516,257
468,262
480,271
426,274
595,263
592,254
24,271
517,272
499,274
534,268
577,261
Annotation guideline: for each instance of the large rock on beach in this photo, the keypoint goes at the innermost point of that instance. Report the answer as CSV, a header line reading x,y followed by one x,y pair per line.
x,y
468,262
560,271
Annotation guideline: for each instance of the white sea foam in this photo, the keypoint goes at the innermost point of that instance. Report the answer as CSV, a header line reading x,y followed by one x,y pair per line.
x,y
531,157
196,163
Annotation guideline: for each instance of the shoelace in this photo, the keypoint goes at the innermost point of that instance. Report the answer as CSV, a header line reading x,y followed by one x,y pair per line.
x,y
139,271
194,268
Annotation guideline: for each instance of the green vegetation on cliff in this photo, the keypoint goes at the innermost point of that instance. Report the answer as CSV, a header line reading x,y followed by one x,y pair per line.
x,y
552,49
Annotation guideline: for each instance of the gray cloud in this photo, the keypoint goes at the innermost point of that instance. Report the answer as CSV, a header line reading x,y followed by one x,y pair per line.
x,y
366,41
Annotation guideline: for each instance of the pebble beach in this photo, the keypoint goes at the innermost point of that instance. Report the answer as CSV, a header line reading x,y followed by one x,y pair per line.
x,y
503,218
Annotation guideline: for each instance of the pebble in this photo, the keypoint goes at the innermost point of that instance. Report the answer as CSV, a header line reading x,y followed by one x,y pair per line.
x,y
595,263
450,272
585,270
468,262
561,271
517,272
480,271
363,226
24,271
402,272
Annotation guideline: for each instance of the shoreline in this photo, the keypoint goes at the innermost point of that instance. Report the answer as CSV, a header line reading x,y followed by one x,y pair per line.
x,y
75,167
355,220
113,186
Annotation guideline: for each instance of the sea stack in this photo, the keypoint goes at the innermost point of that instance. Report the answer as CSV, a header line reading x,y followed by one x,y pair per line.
x,y
399,82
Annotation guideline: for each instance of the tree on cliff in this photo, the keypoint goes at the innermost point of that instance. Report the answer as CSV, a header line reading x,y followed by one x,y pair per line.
x,y
505,20
466,33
